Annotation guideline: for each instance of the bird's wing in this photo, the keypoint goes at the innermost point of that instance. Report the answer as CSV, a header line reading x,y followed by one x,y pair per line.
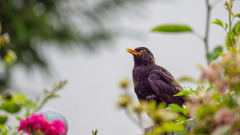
x,y
165,87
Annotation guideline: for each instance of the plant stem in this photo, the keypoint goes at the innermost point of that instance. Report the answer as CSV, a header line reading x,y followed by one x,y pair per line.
x,y
138,122
50,94
207,26
230,25
230,15
131,118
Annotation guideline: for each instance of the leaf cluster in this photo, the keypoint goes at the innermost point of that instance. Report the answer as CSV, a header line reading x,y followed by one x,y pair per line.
x,y
12,104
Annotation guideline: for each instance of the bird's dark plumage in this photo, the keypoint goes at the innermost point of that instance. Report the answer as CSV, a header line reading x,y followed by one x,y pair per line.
x,y
153,82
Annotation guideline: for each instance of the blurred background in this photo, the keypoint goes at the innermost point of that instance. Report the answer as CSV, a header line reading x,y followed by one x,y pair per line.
x,y
85,42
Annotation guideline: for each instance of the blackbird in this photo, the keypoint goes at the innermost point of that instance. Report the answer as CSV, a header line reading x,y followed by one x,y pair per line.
x,y
153,82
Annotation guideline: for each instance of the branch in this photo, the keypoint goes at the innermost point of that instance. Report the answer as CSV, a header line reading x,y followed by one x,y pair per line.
x,y
207,26
50,94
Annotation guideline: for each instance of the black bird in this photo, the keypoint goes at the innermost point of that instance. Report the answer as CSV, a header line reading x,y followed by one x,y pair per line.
x,y
153,82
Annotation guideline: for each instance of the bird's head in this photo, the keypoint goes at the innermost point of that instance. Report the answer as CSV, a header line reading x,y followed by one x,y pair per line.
x,y
142,56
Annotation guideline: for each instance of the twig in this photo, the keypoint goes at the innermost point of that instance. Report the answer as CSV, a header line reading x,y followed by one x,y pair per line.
x,y
140,122
198,35
207,26
50,94
230,25
135,121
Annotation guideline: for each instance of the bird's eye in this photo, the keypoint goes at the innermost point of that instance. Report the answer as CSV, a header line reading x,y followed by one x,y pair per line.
x,y
143,51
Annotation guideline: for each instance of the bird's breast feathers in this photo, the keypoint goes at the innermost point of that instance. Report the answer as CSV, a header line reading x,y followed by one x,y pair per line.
x,y
140,79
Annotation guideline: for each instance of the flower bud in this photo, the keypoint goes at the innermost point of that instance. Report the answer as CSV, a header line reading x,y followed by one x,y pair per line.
x,y
124,101
124,83
137,108
7,96
158,117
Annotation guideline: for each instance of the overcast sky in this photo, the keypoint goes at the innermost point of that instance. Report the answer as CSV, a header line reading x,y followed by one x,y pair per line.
x,y
89,99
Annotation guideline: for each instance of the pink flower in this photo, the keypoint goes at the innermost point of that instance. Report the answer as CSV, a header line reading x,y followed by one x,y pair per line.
x,y
38,122
212,72
225,117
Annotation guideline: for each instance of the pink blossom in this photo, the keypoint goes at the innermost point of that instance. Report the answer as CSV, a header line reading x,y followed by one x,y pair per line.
x,y
38,122
224,116
212,72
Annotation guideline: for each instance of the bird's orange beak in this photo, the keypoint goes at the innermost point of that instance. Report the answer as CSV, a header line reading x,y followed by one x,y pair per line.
x,y
132,51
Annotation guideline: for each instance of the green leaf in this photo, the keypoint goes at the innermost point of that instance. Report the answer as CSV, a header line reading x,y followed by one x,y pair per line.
x,y
176,108
54,96
171,126
161,105
19,118
27,114
237,15
204,110
201,87
218,22
194,91
10,58
29,104
181,133
10,107
3,119
172,28
237,29
226,26
215,54
19,98
231,34
152,106
228,45
211,88
184,92
227,6
94,132
45,91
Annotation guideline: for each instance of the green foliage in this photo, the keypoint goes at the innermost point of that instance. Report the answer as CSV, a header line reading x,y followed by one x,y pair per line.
x,y
237,29
38,23
167,127
177,108
94,132
34,23
185,92
3,119
172,28
10,58
214,54
237,15
218,22
14,103
180,133
10,107
50,94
